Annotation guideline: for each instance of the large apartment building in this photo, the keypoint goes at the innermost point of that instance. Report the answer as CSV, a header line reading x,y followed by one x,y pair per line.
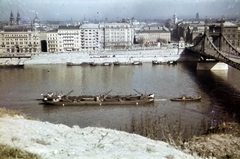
x,y
90,37
116,35
19,40
68,38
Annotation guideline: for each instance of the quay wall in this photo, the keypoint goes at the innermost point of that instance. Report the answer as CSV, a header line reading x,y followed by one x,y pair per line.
x,y
102,56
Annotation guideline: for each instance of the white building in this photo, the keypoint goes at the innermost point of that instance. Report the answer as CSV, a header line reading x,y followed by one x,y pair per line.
x,y
89,37
68,38
116,35
52,41
19,40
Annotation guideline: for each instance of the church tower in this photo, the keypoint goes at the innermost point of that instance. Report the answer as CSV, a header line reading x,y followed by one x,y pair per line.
x,y
175,19
18,19
11,20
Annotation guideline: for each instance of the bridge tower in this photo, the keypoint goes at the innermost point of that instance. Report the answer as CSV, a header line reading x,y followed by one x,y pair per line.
x,y
206,32
220,35
216,51
212,34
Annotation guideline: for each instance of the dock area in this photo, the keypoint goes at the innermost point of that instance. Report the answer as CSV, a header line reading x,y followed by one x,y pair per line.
x,y
94,57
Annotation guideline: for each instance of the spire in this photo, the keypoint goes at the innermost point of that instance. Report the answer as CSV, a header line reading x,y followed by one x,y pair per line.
x,y
18,15
175,19
11,20
11,14
18,18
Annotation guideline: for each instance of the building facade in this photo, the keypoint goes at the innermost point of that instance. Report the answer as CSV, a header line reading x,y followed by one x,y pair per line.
x,y
189,30
90,37
52,41
68,38
19,40
227,29
116,36
153,35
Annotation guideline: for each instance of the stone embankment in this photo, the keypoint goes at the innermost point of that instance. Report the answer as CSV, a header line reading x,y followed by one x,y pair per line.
x,y
97,57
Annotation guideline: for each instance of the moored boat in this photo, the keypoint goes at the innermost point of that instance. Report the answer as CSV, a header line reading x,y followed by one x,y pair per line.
x,y
107,64
137,62
65,100
93,64
116,63
186,98
77,64
73,64
155,62
172,62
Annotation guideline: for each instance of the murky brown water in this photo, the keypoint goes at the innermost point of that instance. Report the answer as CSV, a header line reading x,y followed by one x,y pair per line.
x,y
219,89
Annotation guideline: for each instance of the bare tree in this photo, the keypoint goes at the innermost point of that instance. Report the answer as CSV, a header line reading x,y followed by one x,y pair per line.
x,y
141,41
164,41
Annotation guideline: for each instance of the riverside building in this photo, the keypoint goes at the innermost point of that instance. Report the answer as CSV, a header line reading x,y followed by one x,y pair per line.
x,y
115,36
153,34
17,37
67,38
90,37
19,40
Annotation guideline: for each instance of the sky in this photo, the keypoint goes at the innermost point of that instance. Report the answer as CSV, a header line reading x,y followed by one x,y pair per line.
x,y
77,10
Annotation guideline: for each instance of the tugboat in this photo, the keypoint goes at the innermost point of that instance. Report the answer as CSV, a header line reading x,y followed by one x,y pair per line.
x,y
65,100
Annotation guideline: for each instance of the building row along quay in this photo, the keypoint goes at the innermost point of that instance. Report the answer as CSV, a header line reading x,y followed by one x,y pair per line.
x,y
17,36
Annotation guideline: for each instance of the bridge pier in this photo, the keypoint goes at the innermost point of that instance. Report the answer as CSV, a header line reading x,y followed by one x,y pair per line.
x,y
211,65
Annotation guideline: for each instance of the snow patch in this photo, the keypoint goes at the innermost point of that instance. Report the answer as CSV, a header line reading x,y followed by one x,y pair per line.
x,y
60,141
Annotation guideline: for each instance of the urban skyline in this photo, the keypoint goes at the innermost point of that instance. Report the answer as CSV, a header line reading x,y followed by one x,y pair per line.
x,y
78,10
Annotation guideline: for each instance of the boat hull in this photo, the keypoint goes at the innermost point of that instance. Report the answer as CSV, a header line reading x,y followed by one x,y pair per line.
x,y
96,103
185,100
98,100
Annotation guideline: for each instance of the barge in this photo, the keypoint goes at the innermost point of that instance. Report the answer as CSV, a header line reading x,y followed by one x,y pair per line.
x,y
64,100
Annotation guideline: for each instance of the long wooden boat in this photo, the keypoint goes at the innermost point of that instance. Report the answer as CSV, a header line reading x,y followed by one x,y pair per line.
x,y
185,98
64,100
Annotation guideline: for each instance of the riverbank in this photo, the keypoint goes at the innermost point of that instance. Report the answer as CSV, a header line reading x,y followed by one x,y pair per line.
x,y
22,134
47,140
60,141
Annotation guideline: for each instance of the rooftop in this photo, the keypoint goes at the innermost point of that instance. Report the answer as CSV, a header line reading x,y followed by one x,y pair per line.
x,y
68,27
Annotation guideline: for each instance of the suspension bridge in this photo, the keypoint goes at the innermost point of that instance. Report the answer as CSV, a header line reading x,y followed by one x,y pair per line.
x,y
216,46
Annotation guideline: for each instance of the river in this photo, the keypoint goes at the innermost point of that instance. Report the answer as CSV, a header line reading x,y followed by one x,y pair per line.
x,y
220,91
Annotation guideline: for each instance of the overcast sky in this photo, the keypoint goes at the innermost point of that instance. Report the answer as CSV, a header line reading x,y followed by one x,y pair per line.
x,y
117,9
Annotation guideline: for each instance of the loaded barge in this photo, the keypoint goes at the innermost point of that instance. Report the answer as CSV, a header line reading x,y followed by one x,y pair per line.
x,y
65,100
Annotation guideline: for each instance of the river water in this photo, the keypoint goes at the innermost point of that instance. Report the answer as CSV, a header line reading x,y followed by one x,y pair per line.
x,y
220,91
